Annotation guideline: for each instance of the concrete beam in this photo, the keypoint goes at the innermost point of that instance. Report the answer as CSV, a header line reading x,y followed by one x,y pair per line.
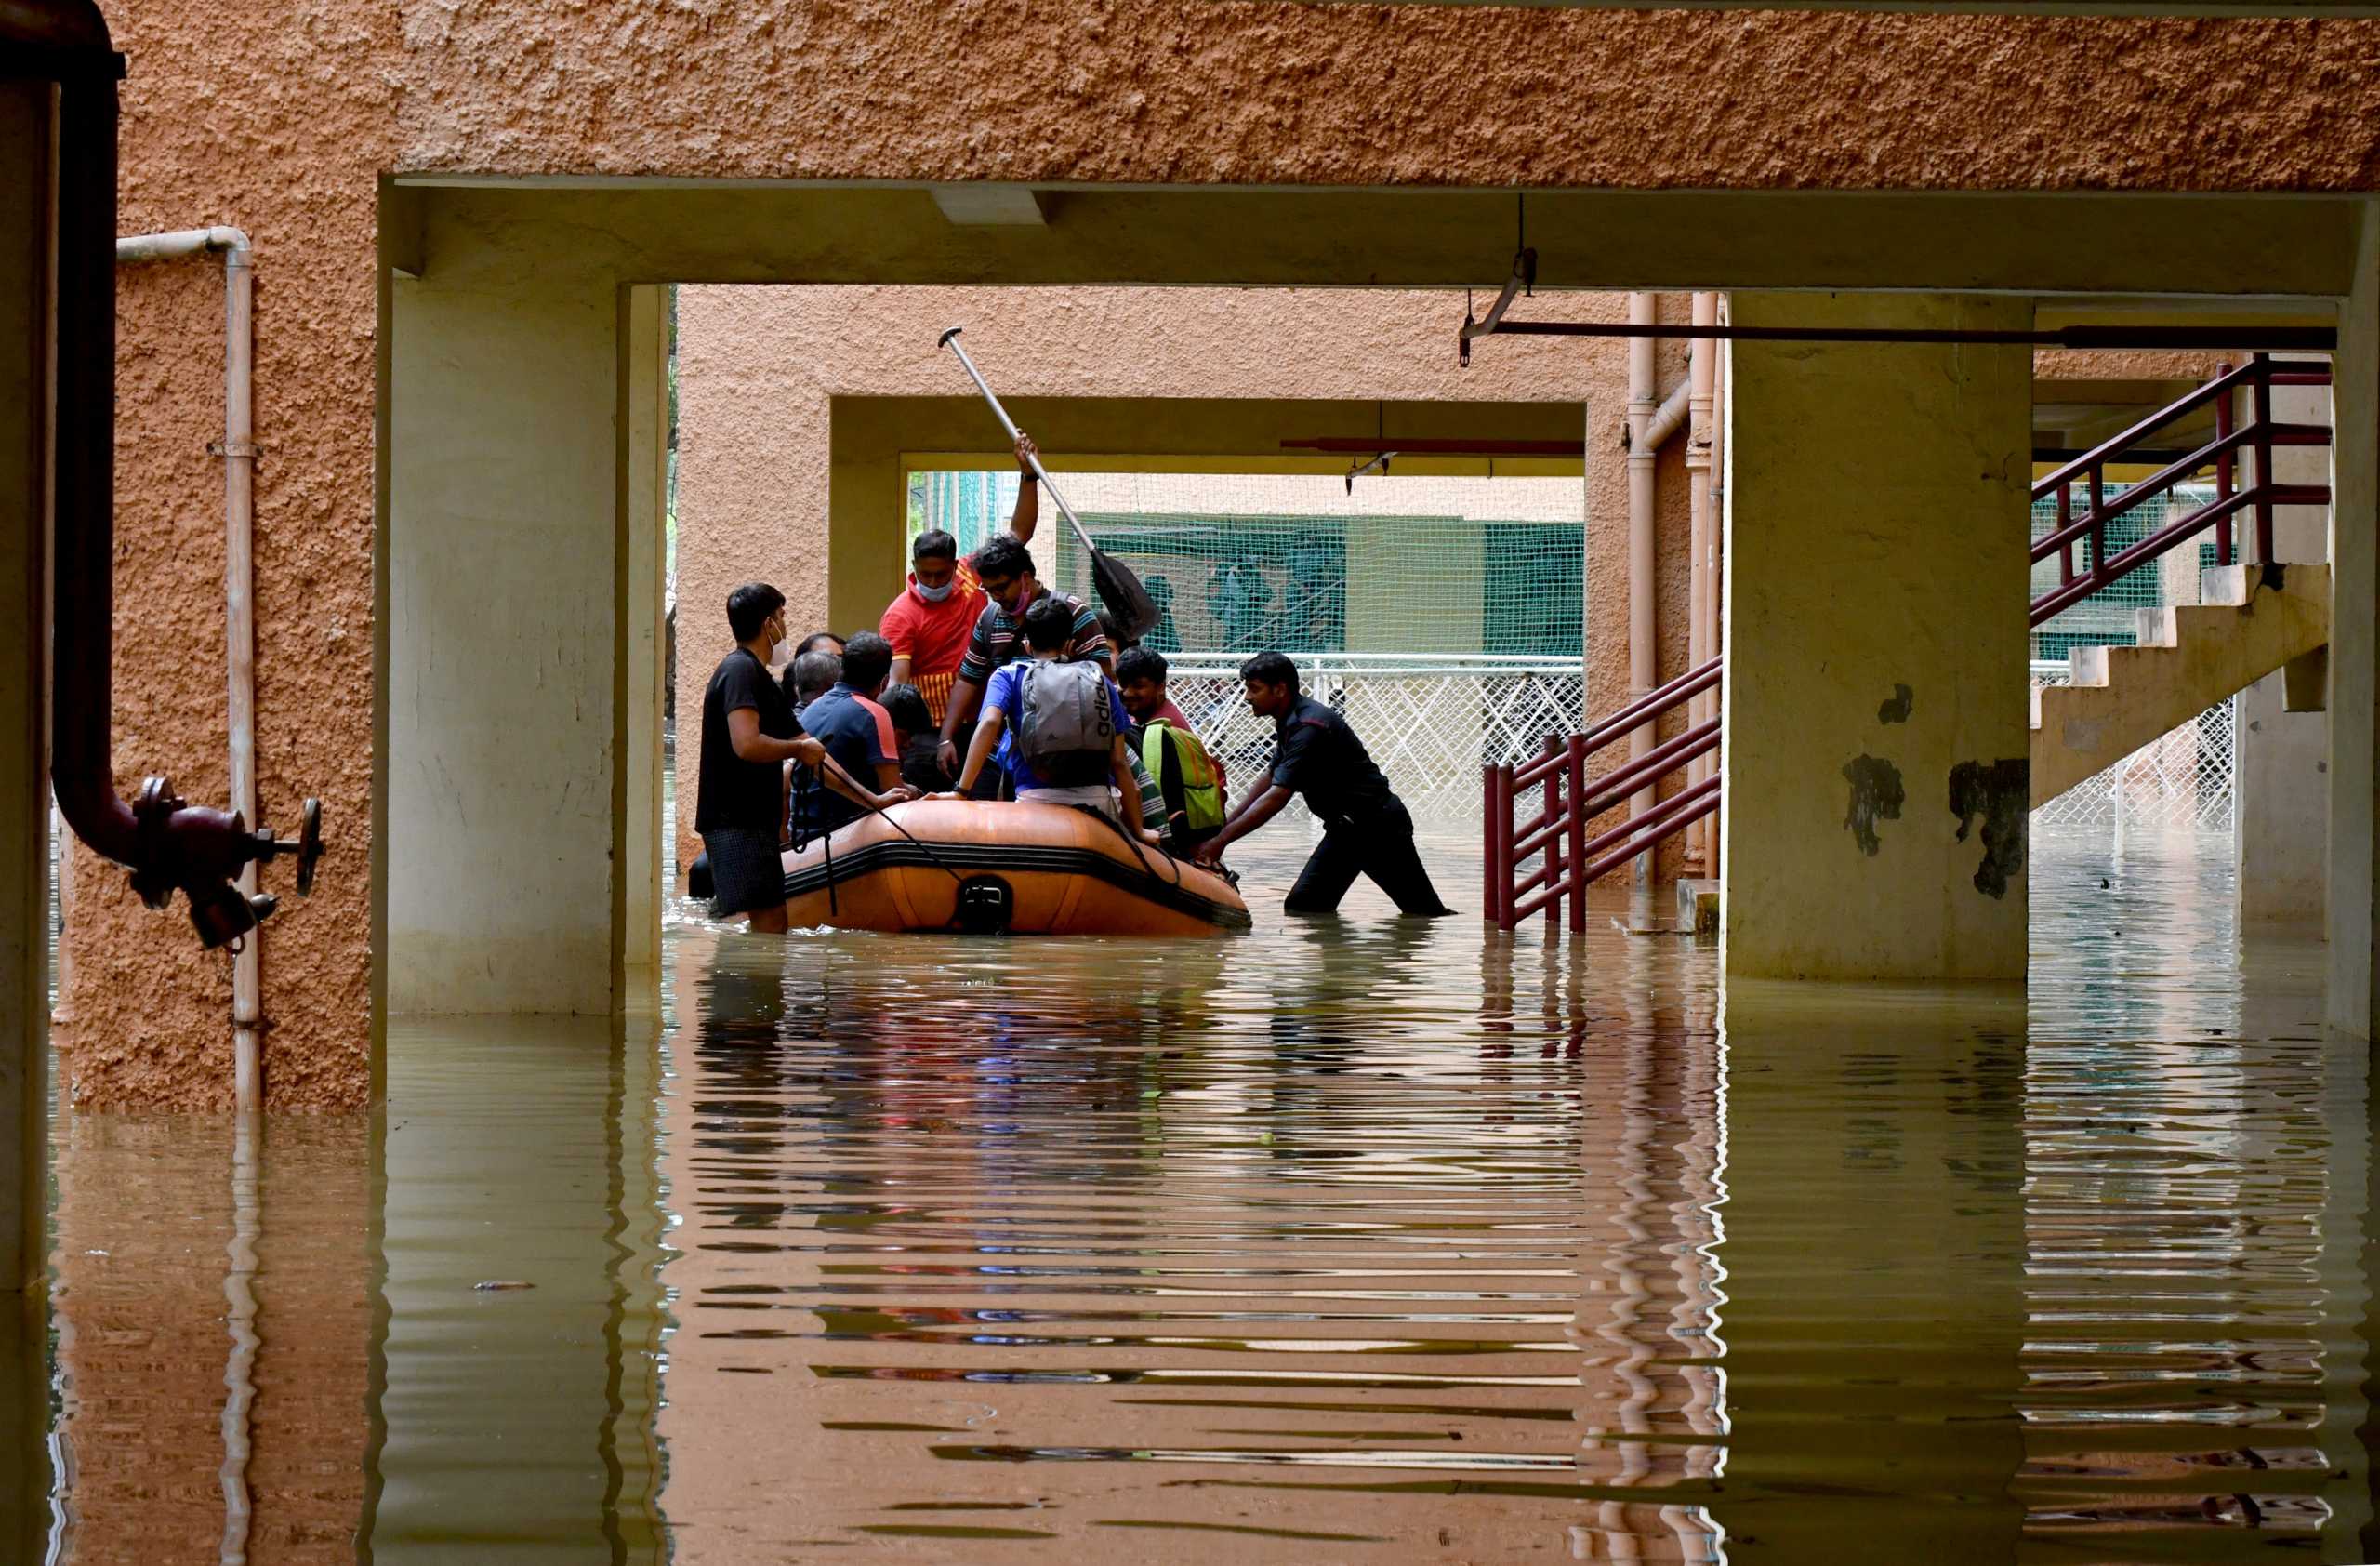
x,y
667,231
2355,671
980,205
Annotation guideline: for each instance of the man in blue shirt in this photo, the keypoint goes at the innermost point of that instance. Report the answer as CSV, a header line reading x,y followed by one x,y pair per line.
x,y
1091,773
858,735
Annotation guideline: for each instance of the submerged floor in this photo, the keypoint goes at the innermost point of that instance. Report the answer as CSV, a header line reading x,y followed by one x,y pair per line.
x,y
1353,1240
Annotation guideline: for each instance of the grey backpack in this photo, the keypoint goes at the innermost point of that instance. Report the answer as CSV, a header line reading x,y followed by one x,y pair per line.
x,y
1064,728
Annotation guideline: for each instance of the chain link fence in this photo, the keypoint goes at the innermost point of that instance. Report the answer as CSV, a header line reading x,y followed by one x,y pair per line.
x,y
1430,722
2185,779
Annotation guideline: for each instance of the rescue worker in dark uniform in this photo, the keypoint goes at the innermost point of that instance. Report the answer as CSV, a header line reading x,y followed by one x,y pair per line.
x,y
1367,830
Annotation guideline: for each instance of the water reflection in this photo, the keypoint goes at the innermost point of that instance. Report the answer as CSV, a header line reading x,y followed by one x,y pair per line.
x,y
1359,1238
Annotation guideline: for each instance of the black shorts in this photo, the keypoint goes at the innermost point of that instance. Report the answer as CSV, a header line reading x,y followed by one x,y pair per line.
x,y
746,871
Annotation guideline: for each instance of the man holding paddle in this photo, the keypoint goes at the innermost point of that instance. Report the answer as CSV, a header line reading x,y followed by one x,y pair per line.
x,y
930,623
1006,568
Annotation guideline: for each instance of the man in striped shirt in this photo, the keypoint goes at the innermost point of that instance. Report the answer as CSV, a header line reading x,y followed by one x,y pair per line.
x,y
1010,586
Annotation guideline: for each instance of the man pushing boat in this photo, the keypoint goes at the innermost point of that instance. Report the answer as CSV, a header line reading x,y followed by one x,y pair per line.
x,y
1367,828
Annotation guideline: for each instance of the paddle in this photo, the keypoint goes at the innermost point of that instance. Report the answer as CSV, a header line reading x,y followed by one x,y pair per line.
x,y
1119,588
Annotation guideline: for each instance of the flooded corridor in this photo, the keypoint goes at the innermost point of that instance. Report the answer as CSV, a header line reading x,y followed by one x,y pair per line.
x,y
1354,1239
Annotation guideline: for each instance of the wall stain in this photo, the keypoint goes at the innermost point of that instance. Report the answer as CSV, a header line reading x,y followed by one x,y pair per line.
x,y
2000,792
1876,795
1897,709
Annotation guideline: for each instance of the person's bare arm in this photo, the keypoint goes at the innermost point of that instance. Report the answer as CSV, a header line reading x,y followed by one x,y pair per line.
x,y
1027,514
895,792
1119,769
745,737
965,697
901,665
1257,809
979,752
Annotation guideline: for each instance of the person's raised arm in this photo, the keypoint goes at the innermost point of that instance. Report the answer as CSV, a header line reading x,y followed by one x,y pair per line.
x,y
749,743
1027,514
1253,812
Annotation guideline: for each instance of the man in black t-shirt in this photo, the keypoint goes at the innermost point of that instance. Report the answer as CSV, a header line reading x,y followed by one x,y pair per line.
x,y
748,734
1367,827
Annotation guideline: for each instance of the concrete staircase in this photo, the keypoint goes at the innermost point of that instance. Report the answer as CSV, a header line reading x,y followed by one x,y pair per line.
x,y
2252,620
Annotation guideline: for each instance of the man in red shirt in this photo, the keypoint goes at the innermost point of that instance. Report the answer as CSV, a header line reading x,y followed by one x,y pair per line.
x,y
929,624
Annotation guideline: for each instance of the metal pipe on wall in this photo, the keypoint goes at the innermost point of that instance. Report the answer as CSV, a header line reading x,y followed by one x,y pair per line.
x,y
1714,572
238,452
1701,383
1642,454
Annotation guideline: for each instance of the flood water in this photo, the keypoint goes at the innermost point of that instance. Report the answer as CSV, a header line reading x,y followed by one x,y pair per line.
x,y
1352,1239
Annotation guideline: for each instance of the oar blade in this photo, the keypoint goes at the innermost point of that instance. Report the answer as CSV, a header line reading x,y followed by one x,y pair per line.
x,y
1123,595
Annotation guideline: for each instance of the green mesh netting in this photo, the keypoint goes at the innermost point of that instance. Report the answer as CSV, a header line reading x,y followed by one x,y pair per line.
x,y
1239,573
2106,617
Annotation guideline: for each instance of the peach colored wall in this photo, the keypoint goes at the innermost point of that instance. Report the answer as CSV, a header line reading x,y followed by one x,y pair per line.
x,y
759,366
149,1014
282,118
143,1344
1194,92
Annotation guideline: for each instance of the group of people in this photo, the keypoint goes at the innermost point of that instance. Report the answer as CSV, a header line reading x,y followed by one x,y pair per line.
x,y
980,683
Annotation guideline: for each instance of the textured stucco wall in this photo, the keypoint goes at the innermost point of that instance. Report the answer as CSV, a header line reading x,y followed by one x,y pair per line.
x,y
759,368
1196,92
280,118
146,1013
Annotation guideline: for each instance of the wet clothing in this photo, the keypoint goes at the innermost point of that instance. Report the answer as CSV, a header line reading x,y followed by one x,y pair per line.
x,y
746,872
857,733
1316,754
998,638
1005,695
1383,850
933,637
1368,830
730,792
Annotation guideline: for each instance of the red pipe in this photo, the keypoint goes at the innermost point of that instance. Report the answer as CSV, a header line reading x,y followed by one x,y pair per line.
x,y
2264,461
1577,772
1703,798
1629,780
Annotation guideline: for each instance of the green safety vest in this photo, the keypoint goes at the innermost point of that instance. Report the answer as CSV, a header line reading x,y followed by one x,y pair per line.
x,y
1202,800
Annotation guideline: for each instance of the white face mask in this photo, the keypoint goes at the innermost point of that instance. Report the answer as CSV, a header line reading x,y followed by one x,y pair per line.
x,y
933,594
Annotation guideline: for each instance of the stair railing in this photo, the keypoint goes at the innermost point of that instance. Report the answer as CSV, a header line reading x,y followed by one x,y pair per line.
x,y
2261,434
1554,833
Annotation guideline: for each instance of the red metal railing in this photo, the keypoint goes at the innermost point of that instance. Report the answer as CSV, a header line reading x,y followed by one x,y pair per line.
x,y
1543,862
2261,434
1554,834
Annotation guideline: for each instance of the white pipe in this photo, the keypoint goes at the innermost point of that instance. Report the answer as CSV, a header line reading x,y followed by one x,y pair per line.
x,y
1670,415
239,453
1702,382
1715,576
1642,454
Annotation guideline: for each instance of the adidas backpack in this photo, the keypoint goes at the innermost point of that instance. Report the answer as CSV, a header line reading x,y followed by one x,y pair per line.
x,y
1065,729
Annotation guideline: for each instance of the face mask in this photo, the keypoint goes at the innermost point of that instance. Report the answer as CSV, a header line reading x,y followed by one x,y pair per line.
x,y
933,594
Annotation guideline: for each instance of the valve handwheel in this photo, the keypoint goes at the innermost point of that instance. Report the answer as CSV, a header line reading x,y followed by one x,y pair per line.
x,y
309,844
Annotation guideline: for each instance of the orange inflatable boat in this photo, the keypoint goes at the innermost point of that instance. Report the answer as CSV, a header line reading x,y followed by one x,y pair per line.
x,y
965,866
